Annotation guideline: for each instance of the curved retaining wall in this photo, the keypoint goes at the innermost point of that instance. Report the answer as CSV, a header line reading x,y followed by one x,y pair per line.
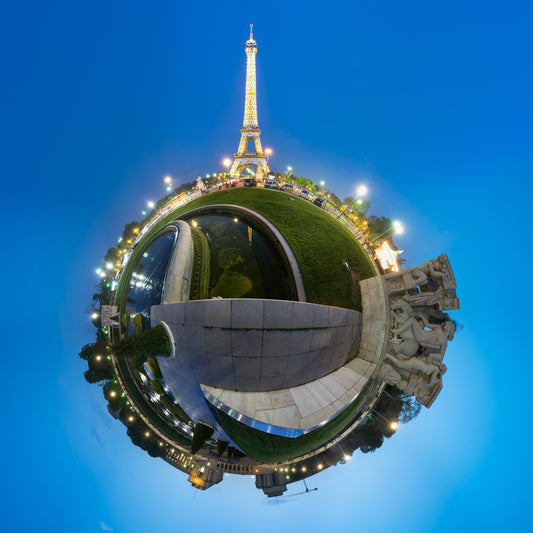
x,y
271,232
178,277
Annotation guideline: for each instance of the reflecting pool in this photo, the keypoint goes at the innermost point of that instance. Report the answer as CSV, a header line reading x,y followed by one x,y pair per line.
x,y
148,276
244,264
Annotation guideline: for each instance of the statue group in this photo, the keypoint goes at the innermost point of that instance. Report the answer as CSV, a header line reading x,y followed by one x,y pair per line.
x,y
420,329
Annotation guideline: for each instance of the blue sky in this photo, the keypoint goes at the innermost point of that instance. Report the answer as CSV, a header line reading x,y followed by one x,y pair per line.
x,y
429,104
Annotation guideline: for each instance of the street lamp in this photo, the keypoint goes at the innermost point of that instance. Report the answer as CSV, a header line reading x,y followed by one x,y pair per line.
x,y
393,425
268,151
227,164
396,228
150,204
362,190
168,181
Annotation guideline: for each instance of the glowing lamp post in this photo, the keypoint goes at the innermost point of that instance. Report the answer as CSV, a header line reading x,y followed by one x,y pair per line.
x,y
168,181
396,228
362,190
227,164
268,151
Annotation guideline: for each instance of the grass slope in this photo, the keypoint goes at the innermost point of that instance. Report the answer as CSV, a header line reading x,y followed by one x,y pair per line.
x,y
320,243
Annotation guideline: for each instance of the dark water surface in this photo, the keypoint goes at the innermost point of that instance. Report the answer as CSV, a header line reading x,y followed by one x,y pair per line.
x,y
243,262
148,276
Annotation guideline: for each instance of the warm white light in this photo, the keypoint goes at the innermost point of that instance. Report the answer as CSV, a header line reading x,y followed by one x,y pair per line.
x,y
268,151
194,223
361,190
98,357
94,315
347,457
151,205
394,426
387,257
322,183
226,162
168,179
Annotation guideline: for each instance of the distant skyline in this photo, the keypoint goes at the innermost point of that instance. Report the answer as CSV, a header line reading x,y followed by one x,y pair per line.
x,y
429,105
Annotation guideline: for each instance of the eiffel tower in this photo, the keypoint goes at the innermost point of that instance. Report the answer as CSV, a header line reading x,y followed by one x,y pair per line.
x,y
250,131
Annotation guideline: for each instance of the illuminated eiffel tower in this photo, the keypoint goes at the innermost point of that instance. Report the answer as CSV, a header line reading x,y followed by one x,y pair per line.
x,y
250,131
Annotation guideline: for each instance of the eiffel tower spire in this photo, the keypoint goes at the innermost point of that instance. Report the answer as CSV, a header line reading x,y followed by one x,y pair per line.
x,y
250,131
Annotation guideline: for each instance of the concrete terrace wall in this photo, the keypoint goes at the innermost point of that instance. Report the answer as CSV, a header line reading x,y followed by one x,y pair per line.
x,y
300,408
376,320
259,345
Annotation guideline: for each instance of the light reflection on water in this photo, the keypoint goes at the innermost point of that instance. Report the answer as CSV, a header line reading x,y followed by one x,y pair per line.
x,y
148,276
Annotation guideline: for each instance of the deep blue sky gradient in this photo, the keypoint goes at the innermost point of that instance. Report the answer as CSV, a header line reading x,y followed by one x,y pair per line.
x,y
427,103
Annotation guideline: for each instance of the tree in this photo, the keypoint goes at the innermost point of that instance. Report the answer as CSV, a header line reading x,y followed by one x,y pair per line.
x,y
221,447
410,409
139,323
92,349
360,207
378,226
348,201
150,343
99,370
201,433
129,231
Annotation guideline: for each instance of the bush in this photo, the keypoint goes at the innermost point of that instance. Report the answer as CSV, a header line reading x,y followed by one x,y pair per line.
x,y
154,367
221,447
201,433
150,343
156,386
139,323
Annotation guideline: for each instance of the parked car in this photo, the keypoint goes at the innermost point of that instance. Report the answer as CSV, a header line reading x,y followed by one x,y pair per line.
x,y
306,195
319,202
271,184
250,182
287,187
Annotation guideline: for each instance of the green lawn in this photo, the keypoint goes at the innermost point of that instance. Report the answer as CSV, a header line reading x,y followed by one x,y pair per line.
x,y
272,448
320,244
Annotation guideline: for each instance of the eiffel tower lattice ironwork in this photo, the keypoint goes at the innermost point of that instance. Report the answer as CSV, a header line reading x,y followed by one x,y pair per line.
x,y
250,131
